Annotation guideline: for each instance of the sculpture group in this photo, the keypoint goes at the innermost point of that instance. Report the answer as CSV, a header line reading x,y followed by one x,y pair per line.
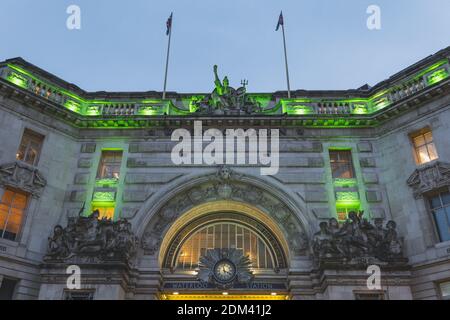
x,y
226,100
357,241
91,238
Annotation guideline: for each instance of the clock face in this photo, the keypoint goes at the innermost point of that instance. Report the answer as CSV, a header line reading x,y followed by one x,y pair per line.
x,y
224,271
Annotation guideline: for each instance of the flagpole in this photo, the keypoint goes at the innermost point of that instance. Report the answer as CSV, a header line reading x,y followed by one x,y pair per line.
x,y
286,62
167,57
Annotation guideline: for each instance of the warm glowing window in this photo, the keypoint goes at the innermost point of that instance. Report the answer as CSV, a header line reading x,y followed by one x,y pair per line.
x,y
440,208
341,164
105,212
30,147
225,235
424,148
110,163
12,209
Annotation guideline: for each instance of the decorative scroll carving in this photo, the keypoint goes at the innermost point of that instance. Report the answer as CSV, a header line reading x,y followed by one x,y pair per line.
x,y
23,177
357,243
430,177
226,100
225,184
88,239
224,267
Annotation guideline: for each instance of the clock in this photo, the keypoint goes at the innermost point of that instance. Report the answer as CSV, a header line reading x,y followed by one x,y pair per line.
x,y
224,271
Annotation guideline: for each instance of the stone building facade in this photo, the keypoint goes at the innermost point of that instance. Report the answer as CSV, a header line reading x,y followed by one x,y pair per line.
x,y
87,183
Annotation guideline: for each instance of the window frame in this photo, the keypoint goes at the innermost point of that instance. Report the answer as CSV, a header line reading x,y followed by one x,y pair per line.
x,y
350,164
415,149
19,233
427,197
439,289
32,136
101,164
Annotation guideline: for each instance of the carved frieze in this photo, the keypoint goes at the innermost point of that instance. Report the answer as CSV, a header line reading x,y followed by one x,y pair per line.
x,y
23,177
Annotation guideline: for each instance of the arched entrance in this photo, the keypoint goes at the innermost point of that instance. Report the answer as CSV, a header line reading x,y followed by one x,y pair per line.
x,y
224,225
227,217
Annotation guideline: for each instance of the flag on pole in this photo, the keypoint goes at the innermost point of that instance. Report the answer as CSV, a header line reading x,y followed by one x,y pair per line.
x,y
280,21
169,24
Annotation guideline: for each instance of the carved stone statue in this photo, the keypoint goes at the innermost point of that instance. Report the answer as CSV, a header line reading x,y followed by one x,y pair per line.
x,y
226,100
92,240
357,242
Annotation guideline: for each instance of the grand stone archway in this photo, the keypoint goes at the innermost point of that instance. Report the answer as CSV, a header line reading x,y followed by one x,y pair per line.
x,y
273,205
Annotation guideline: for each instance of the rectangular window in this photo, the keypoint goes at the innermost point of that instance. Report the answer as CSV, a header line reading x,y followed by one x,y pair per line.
x,y
105,212
341,164
30,147
445,290
12,210
7,289
424,148
440,208
110,163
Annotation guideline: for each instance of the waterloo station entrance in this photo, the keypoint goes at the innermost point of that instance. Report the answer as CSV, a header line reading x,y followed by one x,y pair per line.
x,y
224,250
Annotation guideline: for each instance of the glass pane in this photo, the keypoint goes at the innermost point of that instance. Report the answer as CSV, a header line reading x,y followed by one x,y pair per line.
x,y
442,224
4,209
445,289
31,156
445,198
428,137
419,141
432,151
21,152
105,212
435,202
7,197
19,201
423,154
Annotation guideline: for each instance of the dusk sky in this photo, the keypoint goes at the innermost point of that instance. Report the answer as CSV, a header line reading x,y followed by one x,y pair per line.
x,y
122,44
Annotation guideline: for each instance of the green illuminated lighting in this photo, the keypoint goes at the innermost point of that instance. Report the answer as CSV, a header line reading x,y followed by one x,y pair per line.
x,y
437,76
343,182
347,197
300,110
360,109
297,106
149,110
109,182
100,196
18,80
72,106
93,111
380,104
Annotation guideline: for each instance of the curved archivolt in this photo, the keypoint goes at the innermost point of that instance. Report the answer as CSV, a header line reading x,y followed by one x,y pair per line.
x,y
224,224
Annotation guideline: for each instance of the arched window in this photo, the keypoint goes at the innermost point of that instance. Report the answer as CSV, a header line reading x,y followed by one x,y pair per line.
x,y
225,235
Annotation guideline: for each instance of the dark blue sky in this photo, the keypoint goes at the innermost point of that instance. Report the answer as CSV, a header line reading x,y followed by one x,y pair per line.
x,y
121,46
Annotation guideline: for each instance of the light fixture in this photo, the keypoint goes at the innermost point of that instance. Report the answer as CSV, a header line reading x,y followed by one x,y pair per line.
x,y
175,293
273,294
225,293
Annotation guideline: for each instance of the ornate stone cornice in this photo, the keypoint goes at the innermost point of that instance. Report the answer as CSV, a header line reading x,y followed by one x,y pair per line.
x,y
430,177
23,177
363,107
